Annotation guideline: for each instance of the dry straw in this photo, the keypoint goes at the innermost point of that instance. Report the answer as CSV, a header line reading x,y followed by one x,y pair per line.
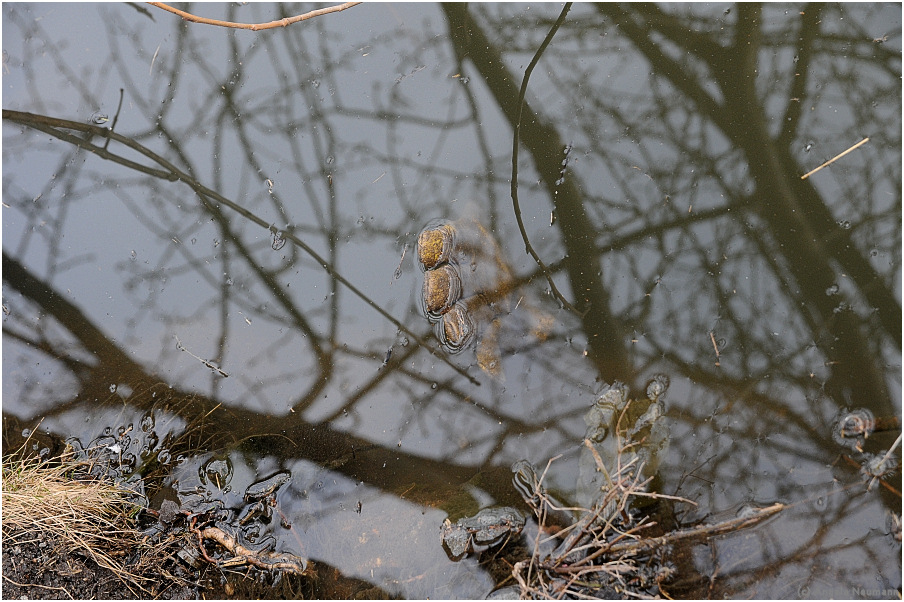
x,y
59,500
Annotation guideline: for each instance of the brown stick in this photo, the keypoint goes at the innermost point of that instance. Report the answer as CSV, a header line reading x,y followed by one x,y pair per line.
x,y
702,531
835,158
263,560
255,26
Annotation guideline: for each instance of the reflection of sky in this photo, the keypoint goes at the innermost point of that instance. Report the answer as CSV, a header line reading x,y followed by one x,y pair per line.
x,y
186,301
381,57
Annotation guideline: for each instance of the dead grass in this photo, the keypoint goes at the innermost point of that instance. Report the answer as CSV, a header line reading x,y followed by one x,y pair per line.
x,y
59,499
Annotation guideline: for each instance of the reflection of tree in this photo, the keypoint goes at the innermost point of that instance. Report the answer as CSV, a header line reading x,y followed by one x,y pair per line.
x,y
787,221
682,222
316,442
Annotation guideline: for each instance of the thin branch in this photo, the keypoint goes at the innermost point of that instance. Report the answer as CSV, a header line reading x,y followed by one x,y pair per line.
x,y
255,26
755,516
515,204
835,158
115,117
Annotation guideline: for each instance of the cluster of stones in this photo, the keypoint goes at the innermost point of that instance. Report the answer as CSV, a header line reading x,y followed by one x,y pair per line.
x,y
442,292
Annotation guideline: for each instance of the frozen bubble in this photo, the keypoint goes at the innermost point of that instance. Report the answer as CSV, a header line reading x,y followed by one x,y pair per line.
x,y
851,427
657,387
878,465
217,471
832,290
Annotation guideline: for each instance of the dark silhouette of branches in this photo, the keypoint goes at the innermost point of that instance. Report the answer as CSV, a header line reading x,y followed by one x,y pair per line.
x,y
656,157
315,442
209,198
605,341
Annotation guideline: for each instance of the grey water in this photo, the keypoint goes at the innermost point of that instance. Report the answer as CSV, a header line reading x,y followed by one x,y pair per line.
x,y
244,253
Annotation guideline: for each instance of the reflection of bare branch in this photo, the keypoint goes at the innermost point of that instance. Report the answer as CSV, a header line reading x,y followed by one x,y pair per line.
x,y
91,337
801,226
319,442
207,196
666,191
255,26
515,146
607,350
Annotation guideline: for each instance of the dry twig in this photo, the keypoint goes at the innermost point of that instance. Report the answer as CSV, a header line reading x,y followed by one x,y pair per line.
x,y
835,158
262,560
605,552
255,26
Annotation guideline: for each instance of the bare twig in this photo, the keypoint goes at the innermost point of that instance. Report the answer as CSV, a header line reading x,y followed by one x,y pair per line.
x,y
260,559
835,158
207,363
255,26
712,338
115,117
63,589
701,532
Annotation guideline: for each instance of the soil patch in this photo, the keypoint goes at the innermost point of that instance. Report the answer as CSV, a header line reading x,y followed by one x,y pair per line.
x,y
39,566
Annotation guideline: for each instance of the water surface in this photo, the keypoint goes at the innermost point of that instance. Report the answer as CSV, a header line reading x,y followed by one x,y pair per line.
x,y
265,277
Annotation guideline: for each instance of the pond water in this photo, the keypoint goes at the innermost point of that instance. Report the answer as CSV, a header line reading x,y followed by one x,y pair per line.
x,y
244,255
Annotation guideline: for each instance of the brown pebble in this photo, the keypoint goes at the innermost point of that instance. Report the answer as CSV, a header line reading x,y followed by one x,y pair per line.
x,y
434,245
442,288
